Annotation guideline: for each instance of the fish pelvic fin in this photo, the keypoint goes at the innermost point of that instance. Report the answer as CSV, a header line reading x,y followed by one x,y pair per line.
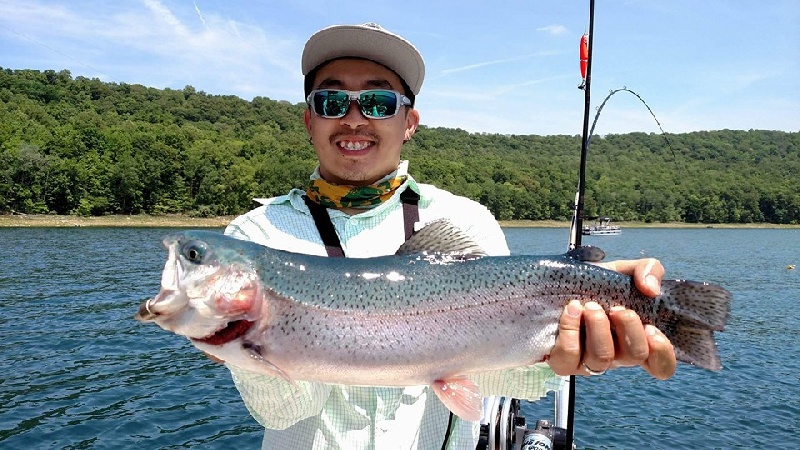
x,y
461,396
688,314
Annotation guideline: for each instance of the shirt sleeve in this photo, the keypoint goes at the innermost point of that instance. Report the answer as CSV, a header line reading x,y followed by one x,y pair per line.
x,y
527,383
276,403
249,227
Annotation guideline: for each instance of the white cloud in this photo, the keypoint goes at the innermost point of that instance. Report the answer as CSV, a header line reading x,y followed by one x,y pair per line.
x,y
152,44
554,30
496,80
479,65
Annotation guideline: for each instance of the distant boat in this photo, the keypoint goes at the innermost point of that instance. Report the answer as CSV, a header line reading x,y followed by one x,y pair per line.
x,y
602,227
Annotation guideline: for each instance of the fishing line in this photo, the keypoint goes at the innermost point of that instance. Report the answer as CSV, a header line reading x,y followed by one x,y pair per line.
x,y
625,89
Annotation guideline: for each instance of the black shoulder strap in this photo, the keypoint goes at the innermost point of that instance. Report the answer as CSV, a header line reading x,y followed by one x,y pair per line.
x,y
325,228
410,201
327,232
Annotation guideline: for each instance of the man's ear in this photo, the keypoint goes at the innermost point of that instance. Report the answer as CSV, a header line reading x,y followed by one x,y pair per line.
x,y
307,121
412,121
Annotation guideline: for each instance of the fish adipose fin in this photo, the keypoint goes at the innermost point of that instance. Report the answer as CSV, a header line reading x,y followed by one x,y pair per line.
x,y
461,396
442,237
688,313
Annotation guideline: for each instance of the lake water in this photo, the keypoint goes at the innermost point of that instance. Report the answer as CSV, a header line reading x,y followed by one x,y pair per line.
x,y
77,372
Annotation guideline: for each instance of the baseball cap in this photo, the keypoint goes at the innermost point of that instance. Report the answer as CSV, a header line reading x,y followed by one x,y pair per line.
x,y
369,41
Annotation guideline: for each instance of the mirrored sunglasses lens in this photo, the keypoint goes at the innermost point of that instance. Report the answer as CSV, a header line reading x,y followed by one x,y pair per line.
x,y
378,103
331,103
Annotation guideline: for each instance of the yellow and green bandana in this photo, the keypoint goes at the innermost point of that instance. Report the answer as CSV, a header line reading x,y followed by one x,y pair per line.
x,y
337,196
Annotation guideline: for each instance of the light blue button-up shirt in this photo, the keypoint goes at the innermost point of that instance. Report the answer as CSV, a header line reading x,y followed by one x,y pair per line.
x,y
308,415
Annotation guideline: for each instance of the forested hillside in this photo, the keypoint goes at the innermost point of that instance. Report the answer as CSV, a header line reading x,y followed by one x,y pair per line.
x,y
82,146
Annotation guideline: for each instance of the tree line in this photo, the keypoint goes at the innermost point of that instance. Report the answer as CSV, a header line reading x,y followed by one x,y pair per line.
x,y
87,147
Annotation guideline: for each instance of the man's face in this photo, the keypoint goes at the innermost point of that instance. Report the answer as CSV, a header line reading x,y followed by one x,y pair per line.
x,y
354,150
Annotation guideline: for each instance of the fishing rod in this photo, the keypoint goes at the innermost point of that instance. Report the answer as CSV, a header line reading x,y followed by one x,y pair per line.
x,y
560,435
507,429
586,86
565,398
507,422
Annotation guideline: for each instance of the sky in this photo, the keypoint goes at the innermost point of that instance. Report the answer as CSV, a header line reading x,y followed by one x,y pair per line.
x,y
508,67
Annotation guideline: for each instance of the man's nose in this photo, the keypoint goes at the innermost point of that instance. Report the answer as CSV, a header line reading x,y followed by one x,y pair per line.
x,y
354,117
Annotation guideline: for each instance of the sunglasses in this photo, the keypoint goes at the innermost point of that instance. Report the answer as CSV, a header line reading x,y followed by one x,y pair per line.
x,y
373,103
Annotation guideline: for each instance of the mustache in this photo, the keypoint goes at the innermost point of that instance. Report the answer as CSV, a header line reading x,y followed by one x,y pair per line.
x,y
350,133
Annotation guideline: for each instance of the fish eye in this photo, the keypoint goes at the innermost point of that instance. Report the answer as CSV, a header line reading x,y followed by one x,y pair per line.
x,y
194,251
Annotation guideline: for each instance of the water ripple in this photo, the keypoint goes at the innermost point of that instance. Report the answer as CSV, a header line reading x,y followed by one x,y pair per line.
x,y
79,373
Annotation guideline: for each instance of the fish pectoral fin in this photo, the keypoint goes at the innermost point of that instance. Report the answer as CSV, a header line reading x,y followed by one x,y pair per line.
x,y
256,352
461,396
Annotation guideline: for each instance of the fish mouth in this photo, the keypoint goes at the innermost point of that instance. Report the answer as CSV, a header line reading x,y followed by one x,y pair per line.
x,y
144,314
232,331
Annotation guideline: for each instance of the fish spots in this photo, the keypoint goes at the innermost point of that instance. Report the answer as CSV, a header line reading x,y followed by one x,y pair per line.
x,y
346,320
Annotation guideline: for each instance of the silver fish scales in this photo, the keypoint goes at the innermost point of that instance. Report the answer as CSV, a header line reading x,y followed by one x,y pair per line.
x,y
432,315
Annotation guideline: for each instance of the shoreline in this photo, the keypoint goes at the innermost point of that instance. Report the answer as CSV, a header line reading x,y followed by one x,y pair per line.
x,y
183,221
141,221
634,224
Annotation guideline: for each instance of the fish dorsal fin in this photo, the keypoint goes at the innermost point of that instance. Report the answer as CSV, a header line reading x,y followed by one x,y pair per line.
x,y
441,237
587,253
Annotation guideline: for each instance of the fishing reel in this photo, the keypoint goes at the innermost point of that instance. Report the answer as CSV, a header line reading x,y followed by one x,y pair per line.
x,y
507,429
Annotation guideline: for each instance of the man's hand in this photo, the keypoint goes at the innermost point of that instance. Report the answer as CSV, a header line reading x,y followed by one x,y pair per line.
x,y
616,339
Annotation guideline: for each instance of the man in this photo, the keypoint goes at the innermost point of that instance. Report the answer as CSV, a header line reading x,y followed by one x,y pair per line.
x,y
361,83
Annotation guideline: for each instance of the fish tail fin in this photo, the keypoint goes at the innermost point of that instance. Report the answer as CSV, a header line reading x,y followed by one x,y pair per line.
x,y
688,314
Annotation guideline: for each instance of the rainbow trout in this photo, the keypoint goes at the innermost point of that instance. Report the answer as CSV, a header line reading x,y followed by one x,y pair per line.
x,y
416,318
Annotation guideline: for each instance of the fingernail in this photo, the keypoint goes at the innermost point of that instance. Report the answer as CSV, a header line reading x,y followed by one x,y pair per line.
x,y
617,308
652,282
593,306
574,308
653,332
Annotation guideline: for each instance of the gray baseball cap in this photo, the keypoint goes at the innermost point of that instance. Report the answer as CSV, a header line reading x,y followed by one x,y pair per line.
x,y
369,41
